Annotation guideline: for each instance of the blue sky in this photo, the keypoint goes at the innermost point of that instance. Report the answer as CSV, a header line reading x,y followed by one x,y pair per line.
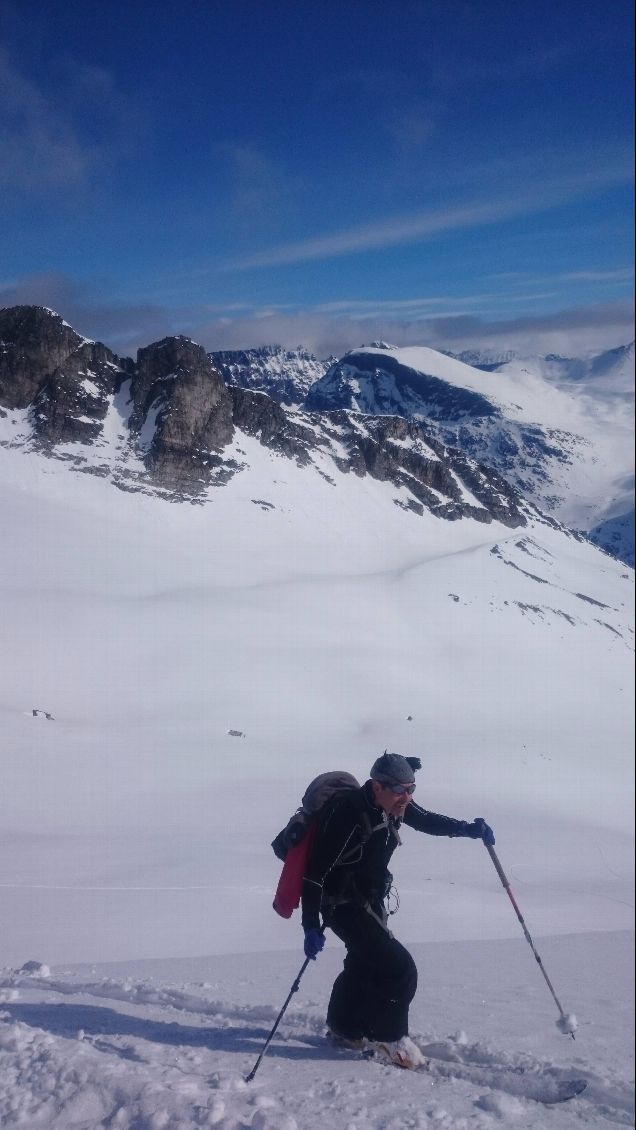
x,y
455,173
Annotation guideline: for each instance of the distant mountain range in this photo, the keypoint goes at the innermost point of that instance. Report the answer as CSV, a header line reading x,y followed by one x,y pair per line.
x,y
285,374
494,439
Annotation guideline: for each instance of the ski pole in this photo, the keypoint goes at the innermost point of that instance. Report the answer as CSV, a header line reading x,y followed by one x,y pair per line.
x,y
294,989
565,1023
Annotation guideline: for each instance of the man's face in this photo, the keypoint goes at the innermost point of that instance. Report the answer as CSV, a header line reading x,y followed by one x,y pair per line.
x,y
393,802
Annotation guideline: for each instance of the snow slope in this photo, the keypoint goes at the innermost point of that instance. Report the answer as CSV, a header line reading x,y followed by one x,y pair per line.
x,y
566,444
324,624
156,1045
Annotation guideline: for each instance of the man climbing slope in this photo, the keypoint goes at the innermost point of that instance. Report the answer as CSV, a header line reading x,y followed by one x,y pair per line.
x,y
347,882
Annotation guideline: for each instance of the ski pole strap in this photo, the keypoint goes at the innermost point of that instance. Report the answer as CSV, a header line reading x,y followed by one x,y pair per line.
x,y
506,885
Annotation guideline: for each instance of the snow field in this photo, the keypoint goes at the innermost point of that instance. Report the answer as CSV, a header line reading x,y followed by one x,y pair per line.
x,y
133,1047
133,825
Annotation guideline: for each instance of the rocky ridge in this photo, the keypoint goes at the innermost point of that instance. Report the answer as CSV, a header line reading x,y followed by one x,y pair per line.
x,y
284,374
166,423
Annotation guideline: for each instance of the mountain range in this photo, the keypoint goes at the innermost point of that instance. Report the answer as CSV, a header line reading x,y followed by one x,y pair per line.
x,y
490,442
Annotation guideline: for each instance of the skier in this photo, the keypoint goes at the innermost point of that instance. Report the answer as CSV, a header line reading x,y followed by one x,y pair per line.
x,y
347,881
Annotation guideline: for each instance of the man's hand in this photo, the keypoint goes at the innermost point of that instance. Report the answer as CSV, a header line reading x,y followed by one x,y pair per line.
x,y
480,830
314,942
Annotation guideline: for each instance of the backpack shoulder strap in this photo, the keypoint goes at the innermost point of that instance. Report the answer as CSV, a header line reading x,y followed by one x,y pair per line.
x,y
363,819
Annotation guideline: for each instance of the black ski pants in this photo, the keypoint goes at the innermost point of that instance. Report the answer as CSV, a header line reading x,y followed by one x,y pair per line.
x,y
371,996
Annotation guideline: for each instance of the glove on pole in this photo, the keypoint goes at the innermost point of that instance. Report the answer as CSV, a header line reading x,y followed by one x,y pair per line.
x,y
565,1022
294,989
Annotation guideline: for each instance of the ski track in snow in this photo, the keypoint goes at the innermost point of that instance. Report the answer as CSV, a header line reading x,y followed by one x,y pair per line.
x,y
88,1051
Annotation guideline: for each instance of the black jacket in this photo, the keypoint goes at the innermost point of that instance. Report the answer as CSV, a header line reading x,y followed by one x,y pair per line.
x,y
354,843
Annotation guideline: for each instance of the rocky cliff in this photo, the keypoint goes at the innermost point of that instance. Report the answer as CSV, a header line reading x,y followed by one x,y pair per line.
x,y
65,381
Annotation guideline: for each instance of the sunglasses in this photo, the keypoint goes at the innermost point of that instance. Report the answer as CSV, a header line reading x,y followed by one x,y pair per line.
x,y
402,790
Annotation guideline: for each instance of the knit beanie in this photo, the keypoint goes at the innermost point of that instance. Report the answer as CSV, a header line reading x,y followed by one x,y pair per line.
x,y
393,769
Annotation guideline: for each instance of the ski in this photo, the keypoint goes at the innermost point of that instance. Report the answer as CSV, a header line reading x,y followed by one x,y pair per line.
x,y
540,1087
565,1089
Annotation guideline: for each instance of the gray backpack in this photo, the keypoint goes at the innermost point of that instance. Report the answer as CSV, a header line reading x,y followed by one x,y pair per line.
x,y
318,793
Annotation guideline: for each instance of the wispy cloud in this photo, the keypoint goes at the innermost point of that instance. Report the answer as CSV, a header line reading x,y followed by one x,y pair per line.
x,y
43,136
615,276
328,329
623,274
423,307
40,146
419,226
573,332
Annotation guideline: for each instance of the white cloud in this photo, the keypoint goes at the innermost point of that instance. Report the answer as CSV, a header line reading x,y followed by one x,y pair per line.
x,y
419,226
574,332
443,322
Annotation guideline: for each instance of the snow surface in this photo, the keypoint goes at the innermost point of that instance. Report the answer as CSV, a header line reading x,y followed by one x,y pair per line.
x,y
590,420
161,1044
326,624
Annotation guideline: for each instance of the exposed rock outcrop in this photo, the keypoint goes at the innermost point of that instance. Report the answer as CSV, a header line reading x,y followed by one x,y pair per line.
x,y
62,377
258,415
442,480
72,402
182,413
34,342
284,374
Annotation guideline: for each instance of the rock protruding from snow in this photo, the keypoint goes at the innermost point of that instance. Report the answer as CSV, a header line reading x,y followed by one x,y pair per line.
x,y
34,342
66,381
284,374
182,412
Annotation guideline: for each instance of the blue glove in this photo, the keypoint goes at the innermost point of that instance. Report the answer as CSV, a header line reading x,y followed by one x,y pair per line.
x,y
314,942
480,830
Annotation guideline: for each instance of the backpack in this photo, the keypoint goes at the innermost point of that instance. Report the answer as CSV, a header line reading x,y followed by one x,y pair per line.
x,y
293,844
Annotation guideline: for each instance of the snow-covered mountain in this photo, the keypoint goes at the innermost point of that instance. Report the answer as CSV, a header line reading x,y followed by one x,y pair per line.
x,y
169,423
619,363
173,675
284,374
562,434
616,535
559,432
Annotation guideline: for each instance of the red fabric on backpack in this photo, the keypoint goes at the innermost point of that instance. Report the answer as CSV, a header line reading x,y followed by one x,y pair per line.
x,y
290,884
